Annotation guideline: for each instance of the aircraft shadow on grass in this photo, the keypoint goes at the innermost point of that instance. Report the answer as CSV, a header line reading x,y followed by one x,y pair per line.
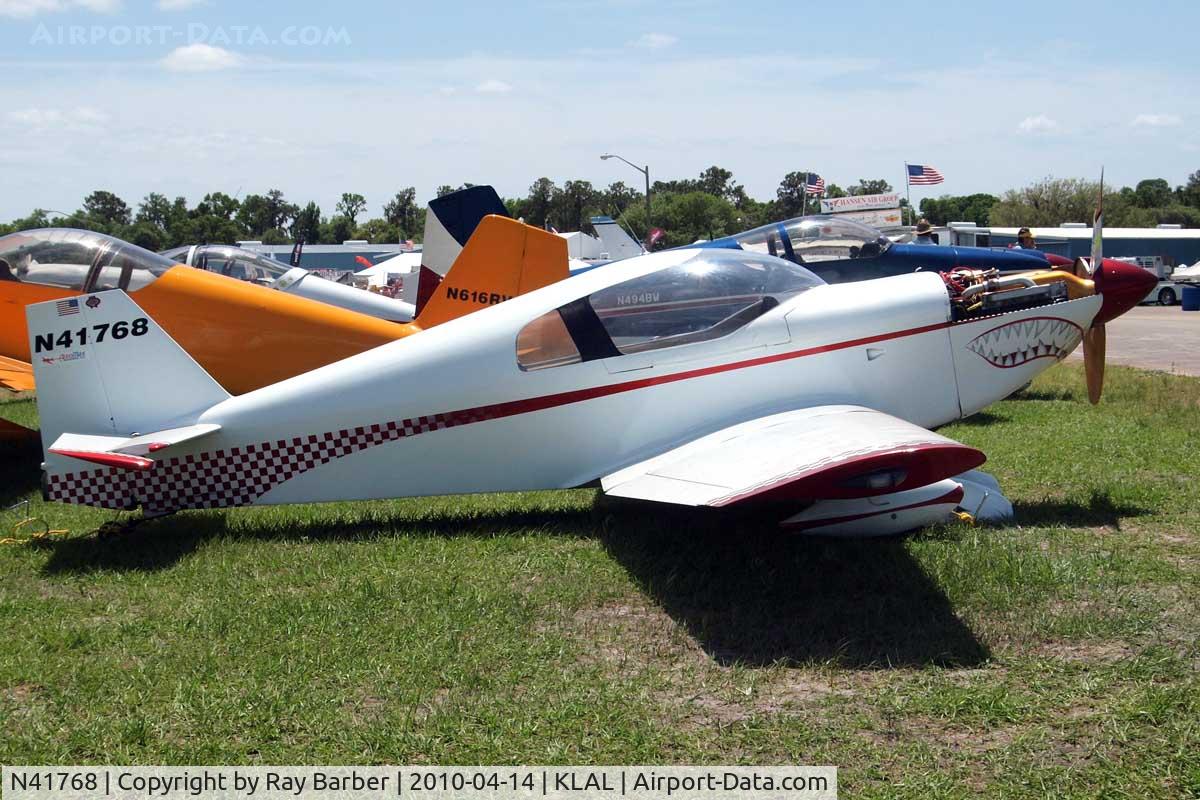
x,y
747,593
19,472
1099,511
752,595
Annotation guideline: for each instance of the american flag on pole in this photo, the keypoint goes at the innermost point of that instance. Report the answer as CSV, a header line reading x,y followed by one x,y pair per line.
x,y
814,185
67,307
923,175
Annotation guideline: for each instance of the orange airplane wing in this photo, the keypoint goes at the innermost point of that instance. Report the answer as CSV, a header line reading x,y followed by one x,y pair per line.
x,y
16,376
248,336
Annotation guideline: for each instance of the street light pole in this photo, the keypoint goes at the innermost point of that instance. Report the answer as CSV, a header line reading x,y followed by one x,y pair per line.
x,y
646,173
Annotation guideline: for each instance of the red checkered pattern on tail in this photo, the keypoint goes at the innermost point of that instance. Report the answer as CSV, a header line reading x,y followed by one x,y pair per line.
x,y
237,476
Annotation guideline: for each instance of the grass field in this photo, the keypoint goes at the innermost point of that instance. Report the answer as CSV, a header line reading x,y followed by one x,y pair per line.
x,y
1055,657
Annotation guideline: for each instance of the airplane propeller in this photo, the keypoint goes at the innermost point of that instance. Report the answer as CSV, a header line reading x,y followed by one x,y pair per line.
x,y
1095,338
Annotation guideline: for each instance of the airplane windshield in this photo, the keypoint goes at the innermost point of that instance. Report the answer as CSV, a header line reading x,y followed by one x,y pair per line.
x,y
710,295
808,240
78,260
234,262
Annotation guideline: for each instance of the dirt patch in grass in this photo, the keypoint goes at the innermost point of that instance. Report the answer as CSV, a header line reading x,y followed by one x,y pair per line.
x,y
627,636
21,700
21,694
1103,652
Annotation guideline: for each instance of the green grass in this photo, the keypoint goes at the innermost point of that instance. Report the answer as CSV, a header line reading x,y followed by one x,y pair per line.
x,y
1054,657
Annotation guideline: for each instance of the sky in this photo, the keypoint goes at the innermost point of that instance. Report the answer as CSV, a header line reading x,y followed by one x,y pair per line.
x,y
185,97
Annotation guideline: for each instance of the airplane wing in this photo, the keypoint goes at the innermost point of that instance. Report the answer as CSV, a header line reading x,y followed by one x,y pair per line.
x,y
15,375
821,453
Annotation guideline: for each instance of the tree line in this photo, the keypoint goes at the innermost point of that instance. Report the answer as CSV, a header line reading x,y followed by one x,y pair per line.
x,y
710,206
1052,201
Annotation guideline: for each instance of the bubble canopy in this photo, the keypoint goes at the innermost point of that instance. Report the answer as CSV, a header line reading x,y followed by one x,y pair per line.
x,y
83,261
234,262
808,240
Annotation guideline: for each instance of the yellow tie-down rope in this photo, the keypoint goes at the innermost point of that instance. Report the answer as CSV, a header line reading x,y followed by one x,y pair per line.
x,y
35,536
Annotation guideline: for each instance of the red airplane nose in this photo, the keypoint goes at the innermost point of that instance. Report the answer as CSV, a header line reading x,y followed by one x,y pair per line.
x,y
1123,286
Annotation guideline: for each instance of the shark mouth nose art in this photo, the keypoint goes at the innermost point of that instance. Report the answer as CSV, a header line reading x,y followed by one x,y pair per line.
x,y
1016,343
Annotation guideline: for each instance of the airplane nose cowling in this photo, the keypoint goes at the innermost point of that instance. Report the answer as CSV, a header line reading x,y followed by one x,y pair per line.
x,y
1123,286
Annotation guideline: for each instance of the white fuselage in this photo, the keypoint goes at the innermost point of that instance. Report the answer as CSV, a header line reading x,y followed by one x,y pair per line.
x,y
450,411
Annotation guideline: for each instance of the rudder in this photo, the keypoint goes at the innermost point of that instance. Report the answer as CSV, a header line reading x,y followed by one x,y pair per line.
x,y
103,366
503,258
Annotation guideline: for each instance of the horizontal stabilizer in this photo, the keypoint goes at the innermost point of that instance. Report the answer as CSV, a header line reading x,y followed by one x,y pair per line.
x,y
126,452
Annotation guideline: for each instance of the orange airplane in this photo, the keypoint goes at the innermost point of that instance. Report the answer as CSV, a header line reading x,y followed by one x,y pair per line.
x,y
245,336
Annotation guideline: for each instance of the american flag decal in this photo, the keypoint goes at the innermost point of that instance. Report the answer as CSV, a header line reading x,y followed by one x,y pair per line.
x,y
67,307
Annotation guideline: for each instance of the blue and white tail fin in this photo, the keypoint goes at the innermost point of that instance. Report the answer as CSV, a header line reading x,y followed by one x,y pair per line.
x,y
616,242
451,220
104,368
449,223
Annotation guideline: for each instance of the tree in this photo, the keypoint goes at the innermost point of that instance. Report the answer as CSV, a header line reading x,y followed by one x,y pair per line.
x,y
281,211
254,215
178,224
573,207
379,231
147,235
401,211
790,194
444,190
1189,193
275,236
209,229
351,205
687,217
307,225
618,197
958,208
155,210
218,204
1053,201
106,208
1152,193
539,202
337,230
864,186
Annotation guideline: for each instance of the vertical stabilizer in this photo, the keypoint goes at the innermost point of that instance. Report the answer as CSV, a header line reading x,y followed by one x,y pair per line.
x,y
504,258
616,242
103,366
450,222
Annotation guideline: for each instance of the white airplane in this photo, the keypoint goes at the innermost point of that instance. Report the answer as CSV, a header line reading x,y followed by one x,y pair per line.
x,y
768,386
246,265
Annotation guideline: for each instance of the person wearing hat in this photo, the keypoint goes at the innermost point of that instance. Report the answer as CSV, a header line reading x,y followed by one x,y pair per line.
x,y
1025,240
924,233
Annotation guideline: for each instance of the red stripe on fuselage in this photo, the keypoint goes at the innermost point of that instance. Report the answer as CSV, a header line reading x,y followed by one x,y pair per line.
x,y
579,395
247,472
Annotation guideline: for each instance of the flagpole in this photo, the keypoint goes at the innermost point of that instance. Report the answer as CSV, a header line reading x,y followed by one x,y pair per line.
x,y
804,196
908,192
